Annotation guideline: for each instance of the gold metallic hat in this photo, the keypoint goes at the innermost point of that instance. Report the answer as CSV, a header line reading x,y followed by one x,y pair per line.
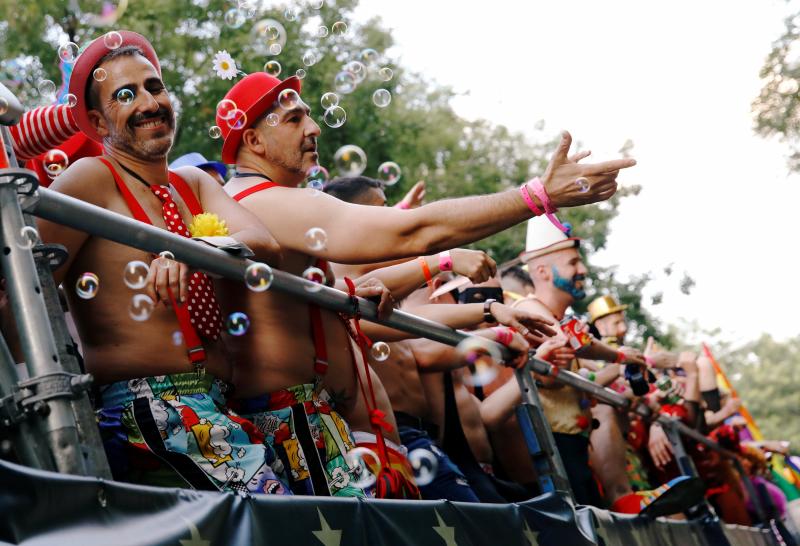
x,y
604,306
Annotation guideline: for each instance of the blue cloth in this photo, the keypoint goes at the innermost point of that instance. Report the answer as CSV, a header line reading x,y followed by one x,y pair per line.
x,y
194,159
449,482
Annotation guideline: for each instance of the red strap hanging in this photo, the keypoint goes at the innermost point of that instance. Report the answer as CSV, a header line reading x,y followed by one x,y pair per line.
x,y
186,193
195,350
254,189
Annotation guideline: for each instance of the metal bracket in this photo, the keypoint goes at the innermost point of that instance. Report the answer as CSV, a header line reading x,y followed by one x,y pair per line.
x,y
31,395
25,180
56,255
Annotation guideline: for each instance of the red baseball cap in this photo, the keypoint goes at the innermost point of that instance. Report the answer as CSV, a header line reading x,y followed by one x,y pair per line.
x,y
254,94
84,67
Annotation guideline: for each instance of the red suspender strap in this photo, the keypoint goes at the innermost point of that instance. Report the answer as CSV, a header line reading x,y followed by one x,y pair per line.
x,y
136,209
186,193
196,352
254,189
318,335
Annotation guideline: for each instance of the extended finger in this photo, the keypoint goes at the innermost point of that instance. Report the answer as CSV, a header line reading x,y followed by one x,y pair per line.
x,y
608,166
492,268
162,280
184,283
385,307
561,153
150,282
574,158
174,279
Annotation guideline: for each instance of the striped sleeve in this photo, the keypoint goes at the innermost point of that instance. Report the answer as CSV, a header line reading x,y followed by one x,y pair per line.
x,y
42,129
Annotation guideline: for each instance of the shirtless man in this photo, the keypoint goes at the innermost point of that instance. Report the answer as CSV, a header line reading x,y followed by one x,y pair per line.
x,y
274,155
160,410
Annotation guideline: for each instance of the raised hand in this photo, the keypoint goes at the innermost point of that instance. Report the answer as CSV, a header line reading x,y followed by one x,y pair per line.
x,y
474,264
414,197
530,325
560,177
374,289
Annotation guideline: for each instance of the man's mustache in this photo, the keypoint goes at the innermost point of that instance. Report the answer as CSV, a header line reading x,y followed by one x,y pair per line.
x,y
144,116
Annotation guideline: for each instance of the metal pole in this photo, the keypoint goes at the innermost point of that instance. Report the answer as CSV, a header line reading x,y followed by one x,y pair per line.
x,y
54,417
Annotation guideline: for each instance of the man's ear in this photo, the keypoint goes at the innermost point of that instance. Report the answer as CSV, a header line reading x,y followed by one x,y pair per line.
x,y
251,139
98,122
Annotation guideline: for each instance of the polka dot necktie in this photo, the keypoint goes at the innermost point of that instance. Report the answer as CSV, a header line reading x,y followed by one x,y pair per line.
x,y
203,307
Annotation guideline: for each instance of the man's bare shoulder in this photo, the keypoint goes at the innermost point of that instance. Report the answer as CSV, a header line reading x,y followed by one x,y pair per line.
x,y
531,304
195,177
88,179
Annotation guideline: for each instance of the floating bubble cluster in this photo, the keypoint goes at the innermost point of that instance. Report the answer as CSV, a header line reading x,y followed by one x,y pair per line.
x,y
237,120
334,117
317,177
235,18
344,82
329,100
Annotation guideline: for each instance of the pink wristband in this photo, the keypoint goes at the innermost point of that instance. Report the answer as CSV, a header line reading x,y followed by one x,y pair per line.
x,y
523,191
445,261
538,190
402,205
649,361
503,335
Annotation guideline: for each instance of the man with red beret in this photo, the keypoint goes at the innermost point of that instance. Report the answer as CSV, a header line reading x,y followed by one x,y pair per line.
x,y
160,368
274,144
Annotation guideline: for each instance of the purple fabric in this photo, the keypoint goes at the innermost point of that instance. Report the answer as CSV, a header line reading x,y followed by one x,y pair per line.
x,y
777,496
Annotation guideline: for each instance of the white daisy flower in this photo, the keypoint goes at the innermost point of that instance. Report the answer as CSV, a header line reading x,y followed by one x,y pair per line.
x,y
224,65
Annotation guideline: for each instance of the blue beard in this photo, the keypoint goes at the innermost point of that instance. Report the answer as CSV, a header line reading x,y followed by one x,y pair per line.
x,y
568,285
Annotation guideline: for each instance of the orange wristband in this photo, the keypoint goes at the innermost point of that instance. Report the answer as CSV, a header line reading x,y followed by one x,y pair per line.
x,y
426,271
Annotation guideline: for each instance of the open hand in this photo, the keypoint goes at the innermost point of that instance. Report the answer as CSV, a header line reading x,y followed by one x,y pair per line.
x,y
534,327
474,264
659,447
562,172
414,197
373,288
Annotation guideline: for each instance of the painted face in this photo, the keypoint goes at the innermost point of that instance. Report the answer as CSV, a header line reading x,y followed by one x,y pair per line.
x,y
134,111
292,143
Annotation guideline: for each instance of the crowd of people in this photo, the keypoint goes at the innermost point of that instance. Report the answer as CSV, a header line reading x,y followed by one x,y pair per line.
x,y
307,401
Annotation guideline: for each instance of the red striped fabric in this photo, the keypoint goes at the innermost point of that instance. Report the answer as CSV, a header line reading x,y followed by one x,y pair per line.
x,y
42,129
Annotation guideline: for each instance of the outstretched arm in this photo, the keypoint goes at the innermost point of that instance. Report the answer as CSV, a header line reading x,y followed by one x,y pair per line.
x,y
362,234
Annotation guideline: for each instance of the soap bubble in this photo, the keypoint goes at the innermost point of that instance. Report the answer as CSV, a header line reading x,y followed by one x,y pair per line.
x,y
46,88
310,58
322,31
329,100
258,277
300,73
315,4
248,9
288,99
583,184
350,160
272,33
335,117
364,464
368,56
235,18
214,131
99,74
237,121
68,52
27,237
87,286
112,40
237,323
55,161
273,68
3,106
125,96
316,277
267,33
165,259
380,351
70,100
316,239
357,69
177,338
225,107
344,82
272,119
275,49
389,173
141,307
135,275
484,360
381,98
290,14
385,73
316,177
425,464
339,28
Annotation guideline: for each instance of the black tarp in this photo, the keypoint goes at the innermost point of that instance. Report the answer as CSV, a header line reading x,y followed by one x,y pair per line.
x,y
44,508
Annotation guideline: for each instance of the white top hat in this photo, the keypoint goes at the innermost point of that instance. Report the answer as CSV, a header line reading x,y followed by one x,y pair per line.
x,y
543,238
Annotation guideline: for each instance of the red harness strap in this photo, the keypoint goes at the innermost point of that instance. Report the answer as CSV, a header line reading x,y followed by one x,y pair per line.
x,y
254,189
195,350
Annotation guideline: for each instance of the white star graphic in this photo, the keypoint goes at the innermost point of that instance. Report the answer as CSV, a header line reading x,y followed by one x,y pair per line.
x,y
326,535
196,539
531,535
448,534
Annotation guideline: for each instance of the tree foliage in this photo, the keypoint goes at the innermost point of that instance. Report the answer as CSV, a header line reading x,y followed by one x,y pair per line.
x,y
419,130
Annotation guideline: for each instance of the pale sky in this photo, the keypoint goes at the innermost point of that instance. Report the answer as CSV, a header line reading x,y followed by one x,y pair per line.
x,y
678,79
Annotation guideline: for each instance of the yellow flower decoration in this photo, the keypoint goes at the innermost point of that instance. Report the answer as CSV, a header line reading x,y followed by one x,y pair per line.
x,y
207,225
